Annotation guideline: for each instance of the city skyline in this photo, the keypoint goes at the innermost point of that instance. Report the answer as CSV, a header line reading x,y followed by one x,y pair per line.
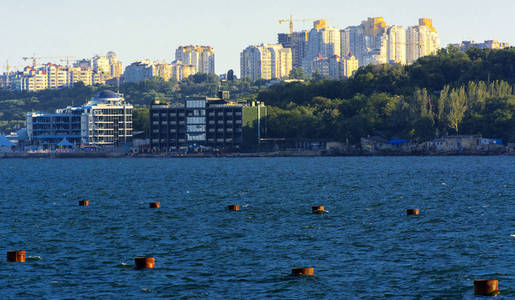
x,y
227,26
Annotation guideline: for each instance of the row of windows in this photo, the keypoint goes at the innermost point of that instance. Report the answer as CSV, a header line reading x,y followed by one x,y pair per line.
x,y
112,118
196,121
54,126
55,119
195,113
195,128
111,111
209,140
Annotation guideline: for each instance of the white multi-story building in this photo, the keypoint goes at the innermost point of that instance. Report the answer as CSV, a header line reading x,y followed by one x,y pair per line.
x,y
373,42
146,69
322,40
265,62
201,57
105,120
421,40
335,67
138,71
348,65
101,65
353,40
396,45
490,44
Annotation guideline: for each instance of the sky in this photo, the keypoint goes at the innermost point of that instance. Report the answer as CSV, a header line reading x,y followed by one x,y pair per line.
x,y
153,29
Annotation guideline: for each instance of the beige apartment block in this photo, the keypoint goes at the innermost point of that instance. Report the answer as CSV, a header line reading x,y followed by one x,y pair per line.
x,y
201,57
265,62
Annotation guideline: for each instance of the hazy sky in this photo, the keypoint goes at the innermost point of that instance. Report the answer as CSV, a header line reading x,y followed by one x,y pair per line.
x,y
153,29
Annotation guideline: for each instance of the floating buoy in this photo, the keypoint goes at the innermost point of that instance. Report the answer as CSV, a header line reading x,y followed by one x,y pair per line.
x,y
144,263
233,207
486,287
83,202
154,204
412,212
318,209
303,272
16,256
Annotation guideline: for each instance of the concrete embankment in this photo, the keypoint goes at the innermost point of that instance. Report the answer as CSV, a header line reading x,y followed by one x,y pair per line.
x,y
235,154
62,155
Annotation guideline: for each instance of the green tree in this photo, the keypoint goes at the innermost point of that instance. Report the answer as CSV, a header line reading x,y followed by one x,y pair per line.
x,y
297,73
140,120
457,107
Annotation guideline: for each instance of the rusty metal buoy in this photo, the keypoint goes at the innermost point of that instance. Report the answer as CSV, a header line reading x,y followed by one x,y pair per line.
x,y
154,204
412,212
233,207
16,256
486,287
144,263
320,209
303,272
83,202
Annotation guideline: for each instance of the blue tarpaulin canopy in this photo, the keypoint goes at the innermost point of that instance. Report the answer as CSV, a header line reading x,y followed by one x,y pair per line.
x,y
397,141
4,142
64,143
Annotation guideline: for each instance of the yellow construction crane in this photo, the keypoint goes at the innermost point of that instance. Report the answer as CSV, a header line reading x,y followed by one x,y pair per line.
x,y
291,20
9,67
61,58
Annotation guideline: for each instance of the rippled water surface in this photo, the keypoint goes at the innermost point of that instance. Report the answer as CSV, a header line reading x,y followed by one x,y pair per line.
x,y
365,247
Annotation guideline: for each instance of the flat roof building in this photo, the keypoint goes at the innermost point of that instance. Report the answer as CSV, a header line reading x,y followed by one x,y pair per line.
x,y
105,120
215,123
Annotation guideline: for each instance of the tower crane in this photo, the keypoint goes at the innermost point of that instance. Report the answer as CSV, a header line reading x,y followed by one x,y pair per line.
x,y
61,58
291,20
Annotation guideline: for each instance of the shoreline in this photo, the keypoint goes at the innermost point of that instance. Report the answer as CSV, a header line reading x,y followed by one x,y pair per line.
x,y
54,155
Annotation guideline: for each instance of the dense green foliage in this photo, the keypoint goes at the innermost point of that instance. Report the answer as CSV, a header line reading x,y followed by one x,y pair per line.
x,y
452,92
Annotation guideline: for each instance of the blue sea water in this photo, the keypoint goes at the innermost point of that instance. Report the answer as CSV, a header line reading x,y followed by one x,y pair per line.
x,y
365,247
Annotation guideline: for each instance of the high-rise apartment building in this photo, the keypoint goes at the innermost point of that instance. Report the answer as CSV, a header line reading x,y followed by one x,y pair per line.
x,y
101,65
374,42
201,57
115,66
396,44
297,42
421,40
81,74
353,40
265,62
322,40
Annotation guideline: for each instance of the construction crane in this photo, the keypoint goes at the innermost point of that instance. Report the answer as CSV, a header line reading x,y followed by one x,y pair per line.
x,y
61,58
291,20
9,67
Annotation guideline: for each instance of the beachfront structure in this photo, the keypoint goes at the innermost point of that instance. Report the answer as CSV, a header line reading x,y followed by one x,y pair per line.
x,y
204,122
105,120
